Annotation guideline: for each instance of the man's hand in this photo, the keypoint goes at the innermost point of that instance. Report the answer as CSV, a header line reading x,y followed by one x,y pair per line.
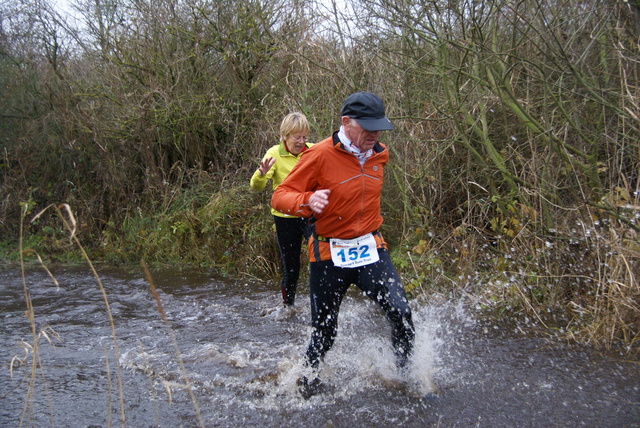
x,y
319,200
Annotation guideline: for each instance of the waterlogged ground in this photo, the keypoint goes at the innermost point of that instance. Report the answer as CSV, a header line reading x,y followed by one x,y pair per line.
x,y
239,362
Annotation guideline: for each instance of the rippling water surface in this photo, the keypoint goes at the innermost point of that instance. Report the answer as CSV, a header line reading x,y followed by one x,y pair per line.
x,y
241,360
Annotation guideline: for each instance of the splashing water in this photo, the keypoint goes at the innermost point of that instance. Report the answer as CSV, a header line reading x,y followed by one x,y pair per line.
x,y
243,356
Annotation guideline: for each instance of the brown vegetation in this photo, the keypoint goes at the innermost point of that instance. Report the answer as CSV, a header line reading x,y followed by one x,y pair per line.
x,y
515,167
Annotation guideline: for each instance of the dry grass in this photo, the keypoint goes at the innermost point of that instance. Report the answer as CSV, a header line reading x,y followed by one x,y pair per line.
x,y
187,384
508,119
31,357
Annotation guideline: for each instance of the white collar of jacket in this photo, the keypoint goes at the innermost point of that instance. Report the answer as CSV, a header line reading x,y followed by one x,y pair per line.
x,y
362,156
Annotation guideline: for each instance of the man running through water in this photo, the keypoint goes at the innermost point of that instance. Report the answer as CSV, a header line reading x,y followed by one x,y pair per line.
x,y
338,182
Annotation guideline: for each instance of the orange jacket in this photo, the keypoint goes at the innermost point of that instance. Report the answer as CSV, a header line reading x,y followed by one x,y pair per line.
x,y
354,202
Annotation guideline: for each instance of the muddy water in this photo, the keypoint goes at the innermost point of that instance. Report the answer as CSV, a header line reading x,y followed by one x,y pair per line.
x,y
242,360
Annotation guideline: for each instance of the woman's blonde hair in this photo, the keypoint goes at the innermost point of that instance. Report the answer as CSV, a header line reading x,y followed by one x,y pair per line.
x,y
294,123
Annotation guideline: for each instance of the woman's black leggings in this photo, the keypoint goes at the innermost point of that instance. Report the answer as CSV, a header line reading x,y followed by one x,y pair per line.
x,y
290,231
379,281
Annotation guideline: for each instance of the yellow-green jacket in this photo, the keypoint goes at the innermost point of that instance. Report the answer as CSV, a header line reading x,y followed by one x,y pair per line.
x,y
285,161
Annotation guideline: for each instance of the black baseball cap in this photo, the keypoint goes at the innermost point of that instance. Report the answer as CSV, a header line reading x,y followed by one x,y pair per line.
x,y
368,110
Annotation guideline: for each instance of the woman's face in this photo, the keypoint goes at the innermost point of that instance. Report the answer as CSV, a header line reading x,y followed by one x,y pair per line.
x,y
295,142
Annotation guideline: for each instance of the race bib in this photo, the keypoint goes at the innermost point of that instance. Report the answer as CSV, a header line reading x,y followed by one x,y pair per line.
x,y
350,253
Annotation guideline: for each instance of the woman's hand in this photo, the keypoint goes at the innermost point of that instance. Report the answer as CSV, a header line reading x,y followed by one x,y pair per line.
x,y
266,165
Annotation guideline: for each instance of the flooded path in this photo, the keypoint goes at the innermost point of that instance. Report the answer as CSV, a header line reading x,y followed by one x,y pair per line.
x,y
242,361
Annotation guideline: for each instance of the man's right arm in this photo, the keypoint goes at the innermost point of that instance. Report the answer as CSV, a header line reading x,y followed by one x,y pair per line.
x,y
292,196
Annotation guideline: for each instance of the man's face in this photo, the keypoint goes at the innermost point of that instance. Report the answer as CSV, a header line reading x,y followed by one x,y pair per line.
x,y
360,137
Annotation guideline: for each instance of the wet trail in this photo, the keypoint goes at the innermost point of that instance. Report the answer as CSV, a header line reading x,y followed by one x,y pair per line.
x,y
242,361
